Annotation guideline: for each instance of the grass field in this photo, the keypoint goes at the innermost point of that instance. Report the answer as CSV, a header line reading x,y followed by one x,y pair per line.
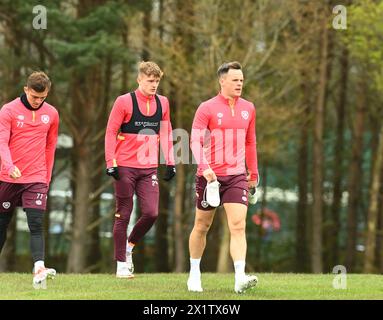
x,y
166,286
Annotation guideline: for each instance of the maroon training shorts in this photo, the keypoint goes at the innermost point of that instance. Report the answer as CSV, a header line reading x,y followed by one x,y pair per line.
x,y
233,189
26,195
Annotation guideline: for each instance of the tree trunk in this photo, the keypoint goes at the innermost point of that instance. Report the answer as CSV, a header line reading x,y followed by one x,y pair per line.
x,y
146,32
94,255
86,108
328,221
338,160
317,210
125,64
259,243
301,223
355,176
77,253
162,230
369,258
185,11
379,245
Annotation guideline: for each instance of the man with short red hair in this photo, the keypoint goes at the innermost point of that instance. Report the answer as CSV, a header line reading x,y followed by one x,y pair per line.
x,y
137,123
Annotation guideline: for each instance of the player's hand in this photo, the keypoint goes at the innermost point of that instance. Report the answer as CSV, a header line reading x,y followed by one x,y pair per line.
x,y
252,184
253,197
170,173
15,174
113,172
209,175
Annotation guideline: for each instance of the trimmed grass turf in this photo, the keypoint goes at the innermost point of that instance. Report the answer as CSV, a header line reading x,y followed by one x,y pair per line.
x,y
168,286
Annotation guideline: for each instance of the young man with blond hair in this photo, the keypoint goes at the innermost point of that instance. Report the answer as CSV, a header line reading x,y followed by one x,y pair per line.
x,y
138,121
28,137
223,143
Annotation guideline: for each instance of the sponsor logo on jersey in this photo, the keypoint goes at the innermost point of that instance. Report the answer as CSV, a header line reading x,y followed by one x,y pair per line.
x,y
145,124
45,118
245,114
20,117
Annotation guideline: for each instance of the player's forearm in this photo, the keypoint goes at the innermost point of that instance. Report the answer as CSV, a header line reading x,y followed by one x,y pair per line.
x,y
5,133
5,156
116,118
252,161
166,142
50,154
110,147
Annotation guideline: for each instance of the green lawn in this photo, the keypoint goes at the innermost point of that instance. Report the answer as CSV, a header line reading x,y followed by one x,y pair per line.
x,y
166,286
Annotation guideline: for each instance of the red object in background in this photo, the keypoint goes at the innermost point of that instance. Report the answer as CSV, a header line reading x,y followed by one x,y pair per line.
x,y
270,217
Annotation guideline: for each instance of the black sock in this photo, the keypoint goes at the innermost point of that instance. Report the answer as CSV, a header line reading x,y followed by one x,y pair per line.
x,y
35,220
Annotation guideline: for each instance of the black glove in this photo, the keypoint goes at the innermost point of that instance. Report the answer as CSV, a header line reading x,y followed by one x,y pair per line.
x,y
170,173
113,172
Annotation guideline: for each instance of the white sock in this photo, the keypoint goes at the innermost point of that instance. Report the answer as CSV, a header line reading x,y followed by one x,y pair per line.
x,y
194,267
121,264
239,267
129,248
39,264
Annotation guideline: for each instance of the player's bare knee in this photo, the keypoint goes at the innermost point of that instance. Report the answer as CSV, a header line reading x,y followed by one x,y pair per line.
x,y
237,227
202,226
